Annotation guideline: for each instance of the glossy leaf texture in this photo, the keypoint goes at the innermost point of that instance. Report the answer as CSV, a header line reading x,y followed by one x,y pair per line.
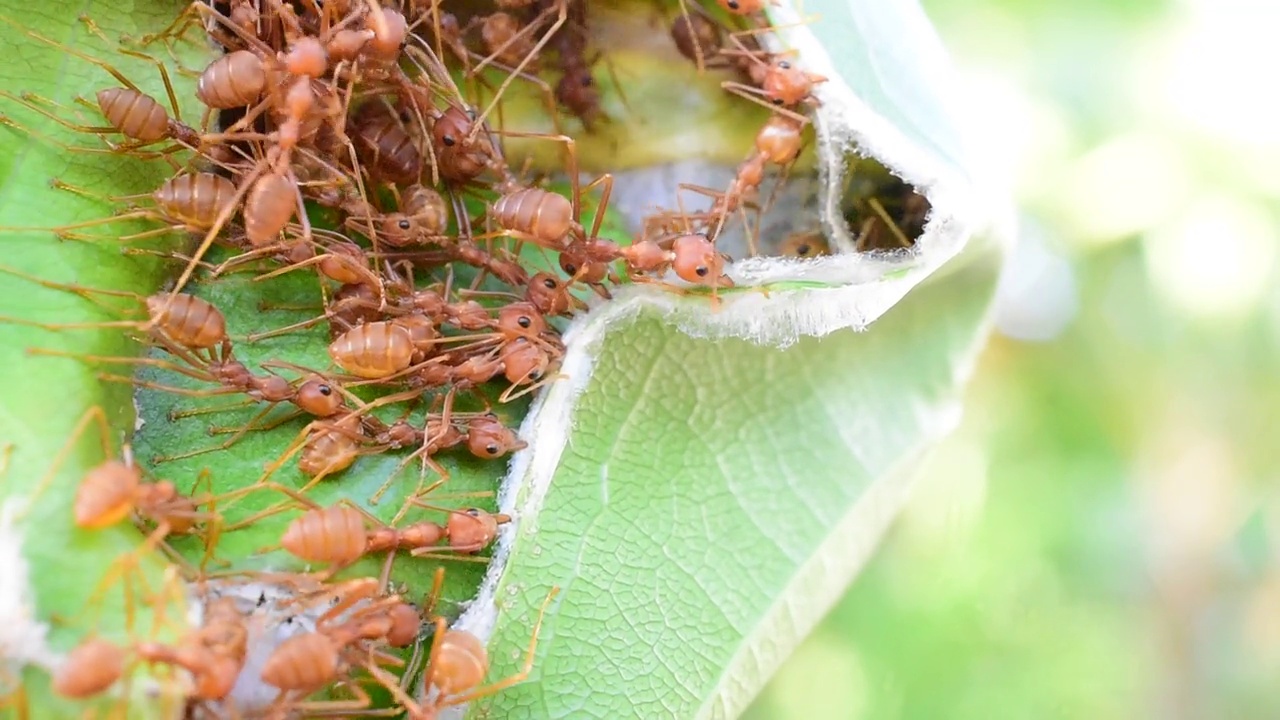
x,y
50,567
711,477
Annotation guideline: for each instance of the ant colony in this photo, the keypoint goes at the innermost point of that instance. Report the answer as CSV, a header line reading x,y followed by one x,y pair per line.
x,y
379,217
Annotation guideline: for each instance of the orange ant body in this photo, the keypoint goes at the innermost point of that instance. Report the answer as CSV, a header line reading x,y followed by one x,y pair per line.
x,y
330,450
114,489
778,83
376,350
539,216
309,661
236,79
90,668
338,535
456,666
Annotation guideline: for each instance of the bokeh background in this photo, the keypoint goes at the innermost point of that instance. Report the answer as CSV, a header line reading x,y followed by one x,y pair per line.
x,y
1101,537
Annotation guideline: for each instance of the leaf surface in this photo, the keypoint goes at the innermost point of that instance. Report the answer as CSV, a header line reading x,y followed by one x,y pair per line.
x,y
710,479
51,567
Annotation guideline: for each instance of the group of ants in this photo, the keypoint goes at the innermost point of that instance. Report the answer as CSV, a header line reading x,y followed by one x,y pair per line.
x,y
353,106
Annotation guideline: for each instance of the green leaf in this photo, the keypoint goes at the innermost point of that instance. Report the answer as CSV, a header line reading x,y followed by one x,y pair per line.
x,y
713,499
710,479
700,487
50,567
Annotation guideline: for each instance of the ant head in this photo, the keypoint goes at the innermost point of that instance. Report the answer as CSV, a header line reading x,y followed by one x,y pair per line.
x,y
453,123
488,438
546,293
697,261
579,267
520,319
742,7
805,245
471,529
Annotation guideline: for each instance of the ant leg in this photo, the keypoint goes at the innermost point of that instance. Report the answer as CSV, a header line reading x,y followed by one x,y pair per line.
x,y
29,101
167,255
233,264
617,83
343,708
396,687
188,17
300,325
437,639
507,395
561,16
157,232
427,461
87,293
273,424
546,93
424,452
72,51
283,506
755,95
58,184
164,77
607,181
370,277
62,230
189,392
244,430
889,222
410,500
698,58
198,374
125,566
94,414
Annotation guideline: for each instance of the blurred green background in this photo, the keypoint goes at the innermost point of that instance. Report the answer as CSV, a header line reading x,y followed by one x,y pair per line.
x,y
1099,539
